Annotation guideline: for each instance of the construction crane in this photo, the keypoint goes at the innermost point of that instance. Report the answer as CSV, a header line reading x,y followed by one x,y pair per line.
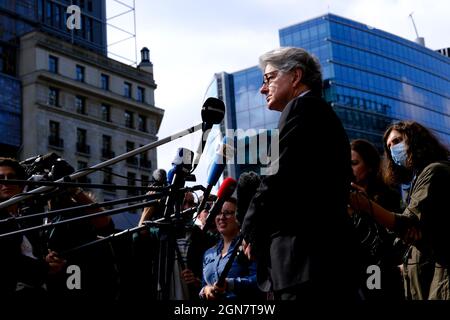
x,y
419,40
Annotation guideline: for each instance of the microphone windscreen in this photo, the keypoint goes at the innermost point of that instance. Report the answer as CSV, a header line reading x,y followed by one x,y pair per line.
x,y
213,111
227,188
247,186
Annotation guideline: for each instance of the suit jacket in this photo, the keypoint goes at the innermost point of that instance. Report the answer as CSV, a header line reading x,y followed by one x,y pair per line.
x,y
297,221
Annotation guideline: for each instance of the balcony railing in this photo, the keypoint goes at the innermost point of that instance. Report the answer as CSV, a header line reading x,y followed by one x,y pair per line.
x,y
55,142
108,154
145,163
83,148
132,161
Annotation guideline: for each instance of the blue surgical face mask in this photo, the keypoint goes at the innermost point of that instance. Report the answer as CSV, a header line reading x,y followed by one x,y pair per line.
x,y
399,154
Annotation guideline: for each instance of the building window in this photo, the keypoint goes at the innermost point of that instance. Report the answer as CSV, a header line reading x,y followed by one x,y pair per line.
x,y
141,94
54,137
107,176
58,15
142,123
106,113
83,26
80,73
90,5
53,97
7,60
106,147
53,64
104,81
129,119
127,89
131,160
48,13
80,104
143,160
131,179
82,147
82,165
145,180
89,29
40,6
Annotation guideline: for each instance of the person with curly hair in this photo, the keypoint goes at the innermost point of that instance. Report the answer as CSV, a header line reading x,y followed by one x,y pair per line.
x,y
414,154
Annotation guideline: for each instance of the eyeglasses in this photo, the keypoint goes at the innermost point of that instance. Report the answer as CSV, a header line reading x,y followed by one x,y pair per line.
x,y
226,214
269,77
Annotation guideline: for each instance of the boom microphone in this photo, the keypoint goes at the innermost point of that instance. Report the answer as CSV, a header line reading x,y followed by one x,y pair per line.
x,y
226,190
224,152
213,112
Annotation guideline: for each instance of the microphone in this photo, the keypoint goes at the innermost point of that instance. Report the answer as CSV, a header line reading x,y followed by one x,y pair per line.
x,y
176,177
226,190
248,184
225,151
213,112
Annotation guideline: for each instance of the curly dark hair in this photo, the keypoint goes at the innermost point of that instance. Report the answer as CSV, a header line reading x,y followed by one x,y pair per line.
x,y
424,148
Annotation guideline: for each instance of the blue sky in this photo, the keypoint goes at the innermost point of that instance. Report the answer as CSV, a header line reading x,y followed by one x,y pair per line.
x,y
189,41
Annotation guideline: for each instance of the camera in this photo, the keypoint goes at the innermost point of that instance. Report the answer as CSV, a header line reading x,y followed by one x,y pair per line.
x,y
47,167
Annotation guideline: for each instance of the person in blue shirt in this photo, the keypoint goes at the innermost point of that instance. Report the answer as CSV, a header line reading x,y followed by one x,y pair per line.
x,y
241,279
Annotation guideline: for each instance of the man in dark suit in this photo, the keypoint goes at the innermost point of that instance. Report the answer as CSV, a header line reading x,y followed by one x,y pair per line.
x,y
297,226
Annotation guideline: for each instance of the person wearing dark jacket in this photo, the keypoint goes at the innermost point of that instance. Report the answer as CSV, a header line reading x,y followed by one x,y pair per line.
x,y
23,269
297,226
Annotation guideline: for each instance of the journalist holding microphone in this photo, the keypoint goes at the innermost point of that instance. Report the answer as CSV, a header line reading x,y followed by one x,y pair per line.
x,y
297,226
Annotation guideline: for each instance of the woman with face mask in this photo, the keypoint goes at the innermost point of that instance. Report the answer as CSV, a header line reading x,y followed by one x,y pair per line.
x,y
414,155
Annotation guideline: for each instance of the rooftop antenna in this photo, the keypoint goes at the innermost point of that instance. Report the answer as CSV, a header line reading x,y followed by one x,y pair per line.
x,y
419,40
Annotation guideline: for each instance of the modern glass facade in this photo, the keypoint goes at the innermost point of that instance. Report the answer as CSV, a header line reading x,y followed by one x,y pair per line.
x,y
12,26
52,16
10,115
373,77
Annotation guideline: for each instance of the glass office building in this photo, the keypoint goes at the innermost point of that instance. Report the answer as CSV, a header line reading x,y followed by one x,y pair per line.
x,y
16,18
371,78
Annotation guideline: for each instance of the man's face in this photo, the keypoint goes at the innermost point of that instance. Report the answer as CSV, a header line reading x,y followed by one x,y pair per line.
x,y
8,190
277,87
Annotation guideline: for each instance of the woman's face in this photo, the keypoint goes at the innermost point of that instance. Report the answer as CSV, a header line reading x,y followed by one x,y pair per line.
x,y
394,138
226,222
359,167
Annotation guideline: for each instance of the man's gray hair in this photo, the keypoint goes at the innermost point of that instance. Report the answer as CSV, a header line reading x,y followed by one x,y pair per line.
x,y
286,59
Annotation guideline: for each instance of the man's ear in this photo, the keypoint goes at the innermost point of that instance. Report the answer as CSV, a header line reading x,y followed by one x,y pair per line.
x,y
298,74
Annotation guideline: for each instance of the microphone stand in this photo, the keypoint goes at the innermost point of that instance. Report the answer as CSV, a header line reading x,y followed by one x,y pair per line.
x,y
101,165
167,233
